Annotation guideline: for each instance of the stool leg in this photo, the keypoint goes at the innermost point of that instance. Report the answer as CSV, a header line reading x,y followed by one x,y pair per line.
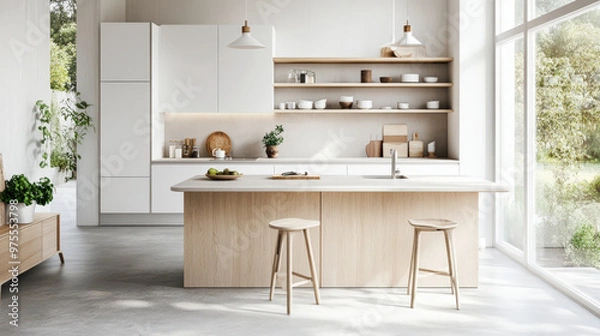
x,y
410,268
313,269
452,266
415,268
449,257
276,264
289,272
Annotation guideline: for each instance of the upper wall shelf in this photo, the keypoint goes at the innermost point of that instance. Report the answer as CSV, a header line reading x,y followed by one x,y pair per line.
x,y
381,60
360,85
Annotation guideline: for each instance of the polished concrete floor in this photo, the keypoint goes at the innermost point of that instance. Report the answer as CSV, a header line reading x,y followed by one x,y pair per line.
x,y
128,281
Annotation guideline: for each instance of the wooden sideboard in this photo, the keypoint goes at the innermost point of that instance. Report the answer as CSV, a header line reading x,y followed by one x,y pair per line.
x,y
37,242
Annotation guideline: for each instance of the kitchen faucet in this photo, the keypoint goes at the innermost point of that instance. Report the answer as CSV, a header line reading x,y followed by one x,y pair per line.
x,y
395,171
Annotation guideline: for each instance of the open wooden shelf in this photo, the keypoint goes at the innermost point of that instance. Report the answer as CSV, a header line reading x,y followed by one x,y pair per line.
x,y
381,60
363,111
359,85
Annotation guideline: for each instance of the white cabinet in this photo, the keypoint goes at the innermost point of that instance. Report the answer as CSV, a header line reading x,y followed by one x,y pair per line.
x,y
124,130
313,168
246,76
406,168
188,68
164,176
125,195
125,51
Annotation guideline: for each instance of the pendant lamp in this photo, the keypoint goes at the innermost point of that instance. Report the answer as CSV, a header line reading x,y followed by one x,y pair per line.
x,y
246,41
408,45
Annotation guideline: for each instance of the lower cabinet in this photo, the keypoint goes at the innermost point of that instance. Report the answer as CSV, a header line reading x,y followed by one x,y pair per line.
x,y
166,175
125,195
37,242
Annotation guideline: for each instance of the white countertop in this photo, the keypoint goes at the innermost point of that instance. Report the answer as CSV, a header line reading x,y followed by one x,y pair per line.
x,y
342,183
287,160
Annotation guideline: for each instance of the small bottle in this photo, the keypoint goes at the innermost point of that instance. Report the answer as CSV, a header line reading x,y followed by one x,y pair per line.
x,y
186,148
195,152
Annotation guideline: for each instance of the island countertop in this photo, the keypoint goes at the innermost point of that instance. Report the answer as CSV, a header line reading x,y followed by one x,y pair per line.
x,y
341,183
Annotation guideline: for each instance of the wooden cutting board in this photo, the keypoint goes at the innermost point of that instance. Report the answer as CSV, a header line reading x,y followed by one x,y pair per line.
x,y
295,177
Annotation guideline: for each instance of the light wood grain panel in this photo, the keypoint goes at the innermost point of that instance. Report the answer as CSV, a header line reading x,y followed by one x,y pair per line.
x,y
367,240
339,60
49,238
30,246
227,241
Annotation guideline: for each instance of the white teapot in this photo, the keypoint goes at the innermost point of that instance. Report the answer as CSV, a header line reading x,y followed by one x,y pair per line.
x,y
218,153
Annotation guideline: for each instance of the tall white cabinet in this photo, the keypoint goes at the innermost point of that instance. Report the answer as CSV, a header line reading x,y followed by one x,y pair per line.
x,y
126,91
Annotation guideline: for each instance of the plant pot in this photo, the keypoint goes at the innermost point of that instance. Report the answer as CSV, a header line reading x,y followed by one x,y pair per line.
x,y
272,151
23,214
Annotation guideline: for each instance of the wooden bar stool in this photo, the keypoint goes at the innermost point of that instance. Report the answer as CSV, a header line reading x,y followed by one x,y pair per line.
x,y
432,225
285,228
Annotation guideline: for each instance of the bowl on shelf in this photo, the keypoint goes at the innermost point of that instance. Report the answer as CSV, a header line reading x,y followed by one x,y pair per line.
x,y
364,104
320,104
385,79
346,102
434,104
403,106
430,79
305,105
410,78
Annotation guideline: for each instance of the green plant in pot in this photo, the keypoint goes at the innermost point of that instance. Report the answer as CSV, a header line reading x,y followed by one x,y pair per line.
x,y
21,196
273,139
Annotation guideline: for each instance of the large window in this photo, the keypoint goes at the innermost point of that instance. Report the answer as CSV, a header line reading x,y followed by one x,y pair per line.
x,y
548,107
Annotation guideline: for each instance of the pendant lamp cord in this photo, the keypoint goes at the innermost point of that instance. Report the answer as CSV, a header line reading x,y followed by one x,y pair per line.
x,y
393,21
246,16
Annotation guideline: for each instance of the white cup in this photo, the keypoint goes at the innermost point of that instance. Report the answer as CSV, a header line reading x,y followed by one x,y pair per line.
x,y
282,106
290,105
218,153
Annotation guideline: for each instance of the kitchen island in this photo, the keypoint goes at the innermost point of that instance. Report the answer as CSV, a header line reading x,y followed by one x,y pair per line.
x,y
364,239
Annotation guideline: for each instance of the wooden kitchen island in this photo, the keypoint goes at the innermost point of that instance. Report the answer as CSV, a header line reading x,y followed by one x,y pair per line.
x,y
364,239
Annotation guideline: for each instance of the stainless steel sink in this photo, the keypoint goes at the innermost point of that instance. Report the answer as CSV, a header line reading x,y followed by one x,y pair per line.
x,y
383,177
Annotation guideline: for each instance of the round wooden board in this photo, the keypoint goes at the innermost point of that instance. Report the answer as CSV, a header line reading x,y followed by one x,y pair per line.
x,y
218,140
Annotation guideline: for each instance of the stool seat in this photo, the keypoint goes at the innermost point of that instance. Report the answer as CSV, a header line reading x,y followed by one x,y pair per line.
x,y
433,223
293,224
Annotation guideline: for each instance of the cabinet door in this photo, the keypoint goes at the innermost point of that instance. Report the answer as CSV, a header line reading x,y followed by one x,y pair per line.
x,y
30,246
125,195
188,62
164,176
125,51
245,76
125,129
50,237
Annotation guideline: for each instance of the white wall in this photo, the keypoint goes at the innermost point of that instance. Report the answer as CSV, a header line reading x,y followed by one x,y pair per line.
x,y
349,28
25,78
471,37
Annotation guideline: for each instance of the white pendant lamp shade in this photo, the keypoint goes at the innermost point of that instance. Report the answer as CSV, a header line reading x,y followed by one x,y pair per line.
x,y
246,41
408,39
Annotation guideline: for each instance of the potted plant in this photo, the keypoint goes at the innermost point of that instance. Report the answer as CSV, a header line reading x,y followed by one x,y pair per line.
x,y
23,194
271,140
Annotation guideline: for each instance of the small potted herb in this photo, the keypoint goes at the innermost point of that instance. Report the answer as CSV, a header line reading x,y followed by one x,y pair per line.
x,y
271,140
23,194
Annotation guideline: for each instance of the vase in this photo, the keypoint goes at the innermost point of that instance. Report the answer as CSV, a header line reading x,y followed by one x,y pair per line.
x,y
272,151
23,214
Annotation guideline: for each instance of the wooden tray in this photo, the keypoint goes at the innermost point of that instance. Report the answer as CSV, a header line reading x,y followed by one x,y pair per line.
x,y
218,140
295,177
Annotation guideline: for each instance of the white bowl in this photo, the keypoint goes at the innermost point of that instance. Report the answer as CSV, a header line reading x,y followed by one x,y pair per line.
x,y
410,78
434,104
430,79
364,104
320,104
403,106
305,105
346,99
305,102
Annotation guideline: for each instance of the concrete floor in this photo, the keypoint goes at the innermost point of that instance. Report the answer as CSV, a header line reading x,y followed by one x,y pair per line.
x,y
128,281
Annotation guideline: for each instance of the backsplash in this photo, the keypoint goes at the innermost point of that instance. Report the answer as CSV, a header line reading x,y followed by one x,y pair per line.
x,y
317,135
